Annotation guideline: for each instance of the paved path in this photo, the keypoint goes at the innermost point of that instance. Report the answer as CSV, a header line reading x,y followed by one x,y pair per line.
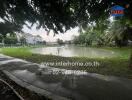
x,y
62,84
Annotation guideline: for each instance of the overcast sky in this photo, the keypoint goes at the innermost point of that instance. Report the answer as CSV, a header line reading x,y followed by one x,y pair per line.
x,y
51,38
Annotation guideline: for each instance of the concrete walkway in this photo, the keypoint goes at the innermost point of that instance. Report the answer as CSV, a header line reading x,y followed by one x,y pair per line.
x,y
61,84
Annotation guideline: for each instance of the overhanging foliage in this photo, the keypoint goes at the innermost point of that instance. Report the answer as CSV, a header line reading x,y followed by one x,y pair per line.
x,y
59,15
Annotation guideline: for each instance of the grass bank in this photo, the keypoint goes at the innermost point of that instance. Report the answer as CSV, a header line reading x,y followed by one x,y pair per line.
x,y
118,66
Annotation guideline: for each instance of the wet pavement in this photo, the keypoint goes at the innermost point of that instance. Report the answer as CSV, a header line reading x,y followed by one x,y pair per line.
x,y
71,84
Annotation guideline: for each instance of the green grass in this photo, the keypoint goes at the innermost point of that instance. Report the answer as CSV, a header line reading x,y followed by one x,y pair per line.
x,y
17,52
118,66
124,52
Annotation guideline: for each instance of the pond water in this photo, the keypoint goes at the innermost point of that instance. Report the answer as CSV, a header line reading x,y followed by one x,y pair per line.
x,y
76,51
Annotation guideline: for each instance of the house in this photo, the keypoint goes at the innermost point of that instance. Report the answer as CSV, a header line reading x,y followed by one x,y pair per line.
x,y
31,39
117,10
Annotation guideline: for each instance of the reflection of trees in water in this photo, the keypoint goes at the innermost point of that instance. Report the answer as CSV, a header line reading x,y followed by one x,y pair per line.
x,y
58,51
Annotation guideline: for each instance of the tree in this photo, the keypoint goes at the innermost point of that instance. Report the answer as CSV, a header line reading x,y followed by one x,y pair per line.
x,y
10,39
22,40
1,38
8,27
75,40
58,15
60,42
85,38
120,32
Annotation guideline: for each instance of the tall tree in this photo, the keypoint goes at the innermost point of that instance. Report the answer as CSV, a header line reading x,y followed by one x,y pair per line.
x,y
120,32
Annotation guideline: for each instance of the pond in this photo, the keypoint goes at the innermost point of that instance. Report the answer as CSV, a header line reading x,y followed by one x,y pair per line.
x,y
76,51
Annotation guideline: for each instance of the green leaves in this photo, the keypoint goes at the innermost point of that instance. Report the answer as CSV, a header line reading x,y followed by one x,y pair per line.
x,y
58,15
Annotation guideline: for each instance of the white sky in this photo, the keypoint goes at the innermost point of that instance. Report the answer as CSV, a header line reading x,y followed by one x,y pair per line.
x,y
51,38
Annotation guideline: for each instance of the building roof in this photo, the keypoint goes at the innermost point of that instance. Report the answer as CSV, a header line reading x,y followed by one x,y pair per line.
x,y
117,7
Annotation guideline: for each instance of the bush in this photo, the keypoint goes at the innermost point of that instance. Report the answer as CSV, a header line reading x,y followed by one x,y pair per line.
x,y
10,40
59,41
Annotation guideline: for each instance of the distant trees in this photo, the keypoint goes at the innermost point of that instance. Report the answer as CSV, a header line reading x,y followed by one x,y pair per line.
x,y
11,39
115,33
1,38
88,37
60,42
41,42
17,40
85,39
76,40
22,40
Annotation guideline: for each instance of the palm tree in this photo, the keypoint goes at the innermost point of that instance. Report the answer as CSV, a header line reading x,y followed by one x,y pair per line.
x,y
118,32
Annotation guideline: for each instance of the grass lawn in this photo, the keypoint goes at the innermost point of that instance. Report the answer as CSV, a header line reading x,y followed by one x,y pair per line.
x,y
118,66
